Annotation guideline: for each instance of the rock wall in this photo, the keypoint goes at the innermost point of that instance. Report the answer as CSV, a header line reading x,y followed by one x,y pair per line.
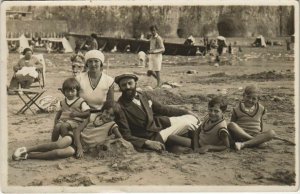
x,y
172,21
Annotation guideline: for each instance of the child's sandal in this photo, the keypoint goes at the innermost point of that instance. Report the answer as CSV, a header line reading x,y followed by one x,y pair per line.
x,y
23,156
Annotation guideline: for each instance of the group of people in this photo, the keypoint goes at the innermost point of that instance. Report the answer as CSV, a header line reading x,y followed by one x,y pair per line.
x,y
89,115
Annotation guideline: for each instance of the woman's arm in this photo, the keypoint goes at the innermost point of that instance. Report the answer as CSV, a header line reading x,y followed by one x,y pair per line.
x,y
17,67
77,132
110,93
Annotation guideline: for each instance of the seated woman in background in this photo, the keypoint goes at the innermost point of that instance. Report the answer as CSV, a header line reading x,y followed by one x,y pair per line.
x,y
26,71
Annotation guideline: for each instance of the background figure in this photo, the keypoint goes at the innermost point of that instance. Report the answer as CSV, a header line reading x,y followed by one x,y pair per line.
x,y
91,43
155,54
142,59
77,64
25,70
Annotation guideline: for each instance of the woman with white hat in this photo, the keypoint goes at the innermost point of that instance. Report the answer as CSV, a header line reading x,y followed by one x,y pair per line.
x,y
96,86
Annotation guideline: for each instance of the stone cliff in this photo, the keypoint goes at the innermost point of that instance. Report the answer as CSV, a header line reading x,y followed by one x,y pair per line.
x,y
172,21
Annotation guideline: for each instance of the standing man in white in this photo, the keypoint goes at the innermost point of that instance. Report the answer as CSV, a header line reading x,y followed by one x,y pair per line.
x,y
155,54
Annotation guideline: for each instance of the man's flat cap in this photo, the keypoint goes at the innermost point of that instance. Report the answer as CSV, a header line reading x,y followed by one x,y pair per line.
x,y
126,75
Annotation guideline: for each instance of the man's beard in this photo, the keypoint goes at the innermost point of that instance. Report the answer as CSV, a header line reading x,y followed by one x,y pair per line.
x,y
129,93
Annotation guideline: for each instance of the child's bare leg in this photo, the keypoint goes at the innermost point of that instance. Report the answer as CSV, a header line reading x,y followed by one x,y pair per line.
x,y
179,140
53,154
238,132
158,77
61,143
151,73
55,132
259,139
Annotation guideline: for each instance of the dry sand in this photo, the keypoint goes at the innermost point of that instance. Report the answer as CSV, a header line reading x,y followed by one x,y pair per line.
x,y
271,68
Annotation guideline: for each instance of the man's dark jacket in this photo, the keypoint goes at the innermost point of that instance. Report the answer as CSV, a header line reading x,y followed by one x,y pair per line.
x,y
140,123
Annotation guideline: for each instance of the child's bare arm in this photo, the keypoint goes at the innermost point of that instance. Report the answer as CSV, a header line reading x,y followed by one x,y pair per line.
x,y
116,132
233,116
83,115
77,141
195,141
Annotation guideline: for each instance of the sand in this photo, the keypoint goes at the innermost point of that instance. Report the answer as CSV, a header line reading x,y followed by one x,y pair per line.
x,y
271,68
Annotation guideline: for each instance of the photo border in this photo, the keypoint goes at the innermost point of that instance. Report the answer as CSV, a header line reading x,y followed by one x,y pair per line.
x,y
144,188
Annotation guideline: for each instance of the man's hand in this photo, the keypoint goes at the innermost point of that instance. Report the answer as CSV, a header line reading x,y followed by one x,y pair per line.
x,y
79,152
154,145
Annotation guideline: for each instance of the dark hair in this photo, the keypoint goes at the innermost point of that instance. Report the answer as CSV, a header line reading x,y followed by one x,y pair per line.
x,y
111,104
218,101
70,84
93,35
25,50
153,27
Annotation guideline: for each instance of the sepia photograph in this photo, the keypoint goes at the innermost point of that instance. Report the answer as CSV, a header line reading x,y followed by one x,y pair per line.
x,y
132,96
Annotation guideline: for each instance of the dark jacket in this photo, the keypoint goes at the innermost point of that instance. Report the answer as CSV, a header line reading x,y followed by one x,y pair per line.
x,y
138,124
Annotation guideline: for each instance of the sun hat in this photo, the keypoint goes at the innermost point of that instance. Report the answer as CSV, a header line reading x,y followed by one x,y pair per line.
x,y
125,75
94,54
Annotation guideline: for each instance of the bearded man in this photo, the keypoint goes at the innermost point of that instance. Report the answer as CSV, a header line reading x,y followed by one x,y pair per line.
x,y
145,122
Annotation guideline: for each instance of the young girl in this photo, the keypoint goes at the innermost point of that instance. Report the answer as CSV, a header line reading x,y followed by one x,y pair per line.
x,y
73,109
95,130
246,124
212,135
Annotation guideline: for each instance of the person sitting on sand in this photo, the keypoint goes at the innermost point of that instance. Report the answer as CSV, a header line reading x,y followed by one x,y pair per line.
x,y
145,122
73,109
212,135
97,128
246,126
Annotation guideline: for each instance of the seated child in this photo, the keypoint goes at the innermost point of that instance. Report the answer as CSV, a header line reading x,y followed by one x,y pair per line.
x,y
246,126
96,129
73,109
212,135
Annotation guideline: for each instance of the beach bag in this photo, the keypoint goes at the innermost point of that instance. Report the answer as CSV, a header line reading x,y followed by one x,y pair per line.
x,y
49,104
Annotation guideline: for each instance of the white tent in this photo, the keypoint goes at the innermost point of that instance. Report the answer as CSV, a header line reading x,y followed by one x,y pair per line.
x,y
260,41
23,43
221,40
65,43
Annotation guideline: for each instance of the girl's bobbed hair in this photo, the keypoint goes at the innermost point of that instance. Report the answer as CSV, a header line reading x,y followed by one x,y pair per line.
x,y
70,84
